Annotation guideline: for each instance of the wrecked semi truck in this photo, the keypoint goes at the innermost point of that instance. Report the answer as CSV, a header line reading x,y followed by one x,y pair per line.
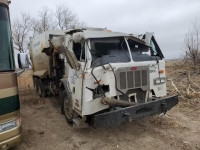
x,y
103,78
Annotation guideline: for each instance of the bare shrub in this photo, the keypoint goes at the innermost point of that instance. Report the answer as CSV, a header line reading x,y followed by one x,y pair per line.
x,y
21,32
66,18
23,29
192,46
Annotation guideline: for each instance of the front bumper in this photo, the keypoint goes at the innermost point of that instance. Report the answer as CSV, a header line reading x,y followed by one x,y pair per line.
x,y
136,112
10,142
11,138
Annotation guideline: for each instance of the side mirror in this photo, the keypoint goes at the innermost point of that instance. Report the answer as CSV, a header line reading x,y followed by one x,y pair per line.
x,y
71,58
23,60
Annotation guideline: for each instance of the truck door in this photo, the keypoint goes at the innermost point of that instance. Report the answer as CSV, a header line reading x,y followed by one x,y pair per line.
x,y
75,76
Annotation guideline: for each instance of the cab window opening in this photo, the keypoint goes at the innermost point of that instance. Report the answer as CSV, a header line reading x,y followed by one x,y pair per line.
x,y
141,52
82,58
109,50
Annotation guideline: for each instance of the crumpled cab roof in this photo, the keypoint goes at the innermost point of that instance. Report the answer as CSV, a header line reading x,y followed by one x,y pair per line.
x,y
89,33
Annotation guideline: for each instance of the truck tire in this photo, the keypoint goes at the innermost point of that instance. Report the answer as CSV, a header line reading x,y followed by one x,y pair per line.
x,y
41,90
35,84
66,106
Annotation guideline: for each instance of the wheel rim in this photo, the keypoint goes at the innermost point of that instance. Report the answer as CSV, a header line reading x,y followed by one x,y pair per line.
x,y
67,108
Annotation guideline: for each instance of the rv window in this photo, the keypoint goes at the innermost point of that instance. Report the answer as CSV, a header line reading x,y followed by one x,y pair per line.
x,y
6,47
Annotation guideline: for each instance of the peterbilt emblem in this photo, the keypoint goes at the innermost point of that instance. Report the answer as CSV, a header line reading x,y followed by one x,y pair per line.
x,y
133,68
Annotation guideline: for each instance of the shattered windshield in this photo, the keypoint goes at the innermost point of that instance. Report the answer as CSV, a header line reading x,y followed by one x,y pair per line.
x,y
141,52
109,50
6,49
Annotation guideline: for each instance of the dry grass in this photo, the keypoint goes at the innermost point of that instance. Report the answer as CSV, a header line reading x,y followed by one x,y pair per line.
x,y
183,81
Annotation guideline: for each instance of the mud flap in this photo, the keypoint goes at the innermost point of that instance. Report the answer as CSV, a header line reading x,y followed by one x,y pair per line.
x,y
136,112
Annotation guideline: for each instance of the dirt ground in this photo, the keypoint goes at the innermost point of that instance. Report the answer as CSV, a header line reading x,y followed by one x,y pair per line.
x,y
44,128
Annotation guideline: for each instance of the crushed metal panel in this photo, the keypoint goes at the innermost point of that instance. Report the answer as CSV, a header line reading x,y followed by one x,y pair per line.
x,y
72,31
78,37
148,37
40,73
89,33
39,59
71,59
140,41
58,41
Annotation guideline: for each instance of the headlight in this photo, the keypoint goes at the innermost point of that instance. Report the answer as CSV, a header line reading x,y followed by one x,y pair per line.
x,y
159,81
9,125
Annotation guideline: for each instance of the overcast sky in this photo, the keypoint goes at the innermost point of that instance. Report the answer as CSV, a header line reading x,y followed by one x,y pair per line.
x,y
168,19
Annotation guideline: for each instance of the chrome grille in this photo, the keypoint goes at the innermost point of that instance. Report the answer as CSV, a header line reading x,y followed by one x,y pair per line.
x,y
144,77
132,79
137,79
123,80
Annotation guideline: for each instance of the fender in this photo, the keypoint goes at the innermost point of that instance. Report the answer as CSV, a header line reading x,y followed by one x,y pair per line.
x,y
65,84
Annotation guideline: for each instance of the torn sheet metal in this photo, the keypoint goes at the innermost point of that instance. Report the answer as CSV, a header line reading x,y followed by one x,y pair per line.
x,y
78,37
148,37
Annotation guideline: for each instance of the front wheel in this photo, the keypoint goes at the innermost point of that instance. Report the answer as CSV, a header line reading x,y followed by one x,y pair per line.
x,y
66,107
42,92
35,81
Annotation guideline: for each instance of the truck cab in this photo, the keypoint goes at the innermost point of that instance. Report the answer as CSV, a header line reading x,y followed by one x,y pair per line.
x,y
124,66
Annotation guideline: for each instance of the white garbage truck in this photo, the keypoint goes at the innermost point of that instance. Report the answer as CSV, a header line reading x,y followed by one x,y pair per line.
x,y
103,78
